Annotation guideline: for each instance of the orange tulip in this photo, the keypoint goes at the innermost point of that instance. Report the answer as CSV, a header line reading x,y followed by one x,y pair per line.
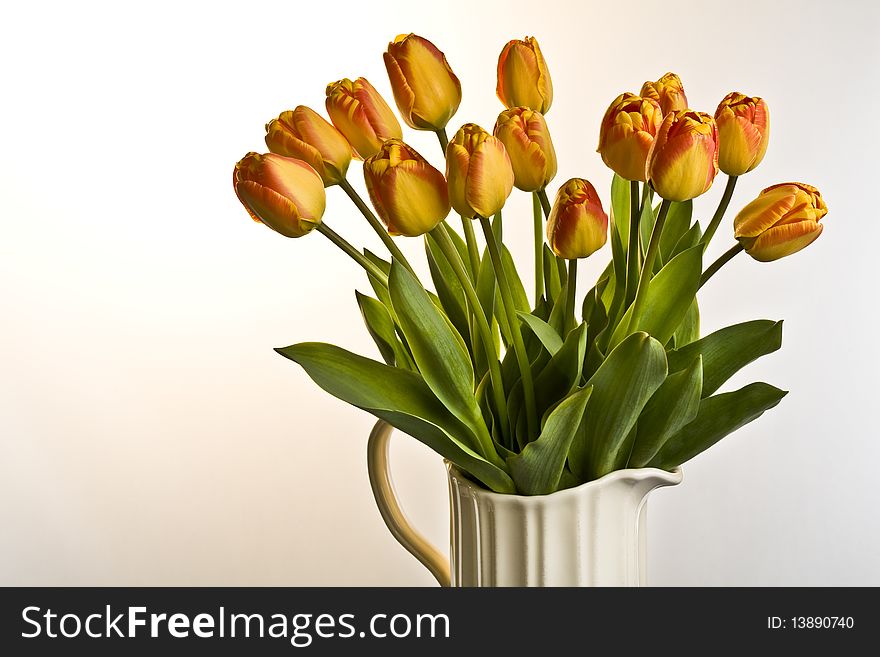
x,y
743,133
626,134
577,226
523,78
668,92
410,196
525,135
362,115
426,90
285,194
305,135
782,220
683,160
479,172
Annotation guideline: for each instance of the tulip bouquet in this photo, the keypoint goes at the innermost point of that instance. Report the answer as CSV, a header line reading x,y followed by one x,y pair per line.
x,y
533,396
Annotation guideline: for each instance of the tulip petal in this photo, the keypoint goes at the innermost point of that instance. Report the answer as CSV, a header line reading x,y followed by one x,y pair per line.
x,y
416,197
273,209
490,179
762,213
784,240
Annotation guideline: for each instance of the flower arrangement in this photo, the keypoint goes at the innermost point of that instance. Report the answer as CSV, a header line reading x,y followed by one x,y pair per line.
x,y
530,397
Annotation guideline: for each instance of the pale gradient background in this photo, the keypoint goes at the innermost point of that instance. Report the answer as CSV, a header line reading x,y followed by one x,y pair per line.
x,y
150,435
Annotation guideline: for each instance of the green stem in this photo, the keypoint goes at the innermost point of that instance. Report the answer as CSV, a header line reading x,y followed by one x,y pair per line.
x,y
513,321
444,140
473,252
719,213
497,383
545,202
633,256
539,247
718,264
356,255
375,223
570,293
648,265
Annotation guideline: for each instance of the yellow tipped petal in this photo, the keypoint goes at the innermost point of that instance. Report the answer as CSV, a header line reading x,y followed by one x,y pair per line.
x,y
683,160
577,226
523,77
361,115
526,139
743,133
479,172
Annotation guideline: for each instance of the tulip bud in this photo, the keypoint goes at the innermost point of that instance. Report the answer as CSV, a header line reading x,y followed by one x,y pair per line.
x,y
525,135
782,220
523,78
626,134
426,90
305,135
743,133
479,172
285,194
362,115
409,195
577,225
683,160
668,92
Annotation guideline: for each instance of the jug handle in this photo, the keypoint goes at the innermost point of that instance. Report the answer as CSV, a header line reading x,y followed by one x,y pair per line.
x,y
393,515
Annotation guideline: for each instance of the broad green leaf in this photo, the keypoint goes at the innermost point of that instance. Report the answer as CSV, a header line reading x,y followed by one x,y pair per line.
x,y
543,331
552,282
520,299
487,293
381,329
449,289
437,348
379,288
675,403
646,224
622,386
728,350
538,468
620,193
669,295
562,373
678,222
691,238
718,416
689,329
461,247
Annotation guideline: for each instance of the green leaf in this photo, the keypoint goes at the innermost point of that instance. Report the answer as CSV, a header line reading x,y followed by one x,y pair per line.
x,y
691,238
552,282
620,189
678,222
520,299
646,223
399,397
669,295
543,331
728,350
449,289
675,403
538,468
622,386
689,329
562,373
381,329
719,416
437,348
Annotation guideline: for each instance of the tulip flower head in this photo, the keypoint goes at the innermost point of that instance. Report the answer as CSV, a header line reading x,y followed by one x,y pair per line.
x,y
523,78
305,135
410,196
743,133
525,135
782,220
426,90
285,194
362,115
627,133
577,226
478,172
683,160
668,92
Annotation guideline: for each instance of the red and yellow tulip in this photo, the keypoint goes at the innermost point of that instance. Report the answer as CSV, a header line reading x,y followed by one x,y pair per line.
x,y
577,226
426,90
410,196
523,78
362,115
478,172
627,133
525,135
743,133
782,220
305,135
683,160
285,194
668,91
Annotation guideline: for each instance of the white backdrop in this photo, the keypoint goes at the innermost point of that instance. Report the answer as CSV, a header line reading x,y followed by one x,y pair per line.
x,y
150,435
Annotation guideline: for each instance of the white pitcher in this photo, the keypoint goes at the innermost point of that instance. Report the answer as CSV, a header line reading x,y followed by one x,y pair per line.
x,y
590,535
